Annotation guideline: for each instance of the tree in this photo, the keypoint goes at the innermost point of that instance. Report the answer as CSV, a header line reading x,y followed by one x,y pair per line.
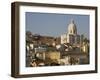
x,y
86,40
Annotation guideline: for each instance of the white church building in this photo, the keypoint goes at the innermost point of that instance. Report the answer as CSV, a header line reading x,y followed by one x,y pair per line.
x,y
71,36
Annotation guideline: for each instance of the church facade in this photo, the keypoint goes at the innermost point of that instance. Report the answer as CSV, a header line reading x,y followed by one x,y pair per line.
x,y
72,35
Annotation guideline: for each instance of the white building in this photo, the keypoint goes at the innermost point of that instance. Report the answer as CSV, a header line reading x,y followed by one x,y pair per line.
x,y
71,36
63,38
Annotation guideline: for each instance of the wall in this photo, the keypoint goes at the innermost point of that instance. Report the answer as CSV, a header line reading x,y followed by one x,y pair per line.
x,y
5,40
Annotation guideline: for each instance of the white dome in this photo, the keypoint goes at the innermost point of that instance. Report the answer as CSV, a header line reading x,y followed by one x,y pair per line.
x,y
72,28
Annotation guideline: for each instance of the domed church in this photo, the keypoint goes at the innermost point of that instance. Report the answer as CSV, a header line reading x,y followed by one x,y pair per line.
x,y
71,36
72,28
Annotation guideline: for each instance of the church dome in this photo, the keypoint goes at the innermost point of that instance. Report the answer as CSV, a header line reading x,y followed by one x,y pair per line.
x,y
72,28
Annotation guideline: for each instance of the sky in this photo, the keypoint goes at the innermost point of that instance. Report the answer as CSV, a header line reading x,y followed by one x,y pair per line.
x,y
52,24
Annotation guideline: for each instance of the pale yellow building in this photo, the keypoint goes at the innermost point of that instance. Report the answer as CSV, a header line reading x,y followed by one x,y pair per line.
x,y
53,55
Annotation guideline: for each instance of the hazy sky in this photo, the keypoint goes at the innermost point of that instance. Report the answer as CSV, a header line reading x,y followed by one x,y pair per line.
x,y
51,24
